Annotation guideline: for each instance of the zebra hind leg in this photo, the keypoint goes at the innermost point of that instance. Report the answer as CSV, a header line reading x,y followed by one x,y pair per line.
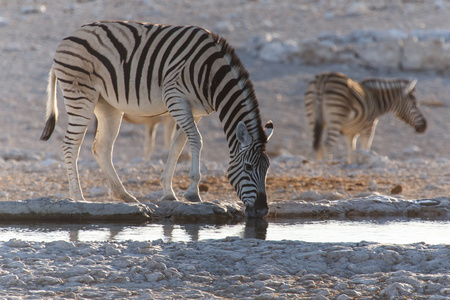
x,y
330,141
149,140
109,120
76,130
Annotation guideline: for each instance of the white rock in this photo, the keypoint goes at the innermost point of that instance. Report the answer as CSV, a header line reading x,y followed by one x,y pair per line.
x,y
318,52
310,196
370,159
223,27
431,54
281,52
11,280
155,277
358,8
397,289
373,186
412,150
4,22
17,243
383,54
48,280
99,191
33,9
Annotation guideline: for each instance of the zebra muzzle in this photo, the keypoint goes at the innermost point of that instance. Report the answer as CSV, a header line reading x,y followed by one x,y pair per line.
x,y
260,209
422,127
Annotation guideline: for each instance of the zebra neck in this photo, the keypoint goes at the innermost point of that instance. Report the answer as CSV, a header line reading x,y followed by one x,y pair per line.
x,y
232,96
232,110
253,122
383,100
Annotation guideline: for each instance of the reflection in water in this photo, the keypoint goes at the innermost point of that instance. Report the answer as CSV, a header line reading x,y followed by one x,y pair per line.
x,y
256,228
74,234
390,231
191,229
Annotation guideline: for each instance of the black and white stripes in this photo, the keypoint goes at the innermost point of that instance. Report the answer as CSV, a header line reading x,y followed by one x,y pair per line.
x,y
342,105
142,69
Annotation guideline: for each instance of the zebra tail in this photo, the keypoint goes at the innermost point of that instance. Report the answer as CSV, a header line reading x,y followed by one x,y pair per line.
x,y
318,128
52,108
318,124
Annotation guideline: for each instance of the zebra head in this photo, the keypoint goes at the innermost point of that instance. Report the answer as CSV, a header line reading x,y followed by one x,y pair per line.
x,y
409,110
248,169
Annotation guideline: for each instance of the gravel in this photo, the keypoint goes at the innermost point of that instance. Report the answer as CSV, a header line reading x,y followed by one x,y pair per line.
x,y
224,269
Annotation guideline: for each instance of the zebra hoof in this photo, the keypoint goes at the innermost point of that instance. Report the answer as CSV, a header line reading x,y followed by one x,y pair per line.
x,y
191,197
169,198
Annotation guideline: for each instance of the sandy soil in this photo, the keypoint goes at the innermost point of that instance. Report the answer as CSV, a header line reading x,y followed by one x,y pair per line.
x,y
29,39
409,165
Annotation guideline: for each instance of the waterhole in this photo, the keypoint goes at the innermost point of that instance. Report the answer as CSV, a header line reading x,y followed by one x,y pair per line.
x,y
398,231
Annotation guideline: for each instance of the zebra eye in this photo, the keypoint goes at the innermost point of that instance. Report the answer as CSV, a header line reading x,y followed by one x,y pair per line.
x,y
248,167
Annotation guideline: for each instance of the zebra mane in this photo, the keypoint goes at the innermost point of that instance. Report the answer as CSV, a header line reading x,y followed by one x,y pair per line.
x,y
381,82
243,77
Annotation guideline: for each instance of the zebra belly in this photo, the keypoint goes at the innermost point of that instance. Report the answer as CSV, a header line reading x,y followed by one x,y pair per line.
x,y
153,108
353,126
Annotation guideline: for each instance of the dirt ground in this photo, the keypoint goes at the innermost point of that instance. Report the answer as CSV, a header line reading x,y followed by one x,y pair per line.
x,y
32,168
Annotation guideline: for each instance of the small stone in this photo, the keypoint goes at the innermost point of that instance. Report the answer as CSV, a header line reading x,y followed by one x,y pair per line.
x,y
397,189
203,187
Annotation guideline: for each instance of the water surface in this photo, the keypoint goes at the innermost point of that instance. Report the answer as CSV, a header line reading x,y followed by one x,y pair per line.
x,y
385,231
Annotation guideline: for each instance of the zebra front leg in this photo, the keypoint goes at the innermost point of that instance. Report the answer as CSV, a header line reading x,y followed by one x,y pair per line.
x,y
177,145
351,148
367,135
109,120
195,141
192,194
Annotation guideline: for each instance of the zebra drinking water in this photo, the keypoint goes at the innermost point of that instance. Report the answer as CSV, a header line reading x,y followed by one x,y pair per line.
x,y
110,68
342,105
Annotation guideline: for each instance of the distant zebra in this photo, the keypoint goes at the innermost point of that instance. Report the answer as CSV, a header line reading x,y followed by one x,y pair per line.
x,y
342,105
142,69
151,126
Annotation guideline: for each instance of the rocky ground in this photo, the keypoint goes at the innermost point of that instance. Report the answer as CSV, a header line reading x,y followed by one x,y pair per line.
x,y
405,166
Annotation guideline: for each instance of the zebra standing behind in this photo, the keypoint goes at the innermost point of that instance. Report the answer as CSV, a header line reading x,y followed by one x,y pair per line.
x,y
342,105
114,67
151,126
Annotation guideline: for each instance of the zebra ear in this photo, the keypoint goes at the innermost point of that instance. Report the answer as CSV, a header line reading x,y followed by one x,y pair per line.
x,y
243,135
410,87
269,129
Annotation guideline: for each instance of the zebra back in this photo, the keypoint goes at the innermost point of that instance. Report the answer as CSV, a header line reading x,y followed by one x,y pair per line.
x,y
386,94
153,58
